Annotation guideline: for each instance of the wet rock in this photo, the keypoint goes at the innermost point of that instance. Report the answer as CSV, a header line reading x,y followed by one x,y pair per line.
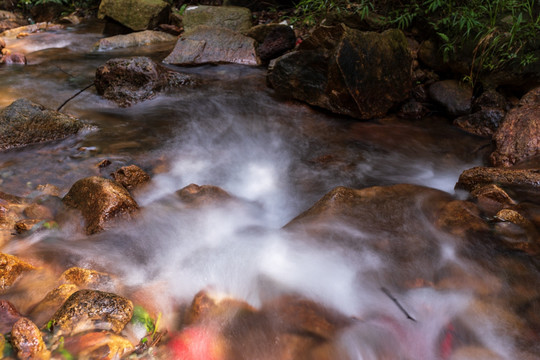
x,y
454,96
41,313
10,212
491,199
229,17
37,211
171,29
140,38
27,341
131,177
29,29
14,58
205,308
25,225
518,136
8,316
131,80
429,54
360,74
11,268
522,182
98,345
47,11
135,14
203,195
279,40
92,310
261,31
24,122
413,109
462,218
482,123
204,44
86,278
100,201
519,232
48,189
71,19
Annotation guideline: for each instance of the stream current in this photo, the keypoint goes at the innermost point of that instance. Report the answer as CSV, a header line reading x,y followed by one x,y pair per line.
x,y
281,156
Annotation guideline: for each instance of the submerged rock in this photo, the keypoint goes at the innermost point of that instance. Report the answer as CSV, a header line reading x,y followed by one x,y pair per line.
x,y
350,72
205,44
196,195
24,122
92,310
230,17
128,81
86,278
14,58
98,345
8,316
140,38
28,342
135,14
518,137
131,177
100,201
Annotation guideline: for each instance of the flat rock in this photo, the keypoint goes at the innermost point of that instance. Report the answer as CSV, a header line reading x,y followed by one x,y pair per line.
x,y
204,44
135,14
24,122
100,200
230,17
92,310
140,38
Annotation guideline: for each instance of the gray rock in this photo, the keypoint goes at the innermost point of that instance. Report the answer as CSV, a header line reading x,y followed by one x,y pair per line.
x,y
230,17
454,96
205,44
135,14
139,38
347,71
24,122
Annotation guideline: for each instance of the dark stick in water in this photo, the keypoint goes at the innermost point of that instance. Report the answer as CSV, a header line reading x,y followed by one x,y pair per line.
x,y
73,97
389,294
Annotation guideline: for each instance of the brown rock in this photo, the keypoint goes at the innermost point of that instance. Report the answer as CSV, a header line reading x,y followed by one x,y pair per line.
x,y
11,268
279,40
491,198
131,177
524,182
518,137
48,189
484,122
92,310
25,225
462,218
41,313
86,278
98,345
28,342
203,195
8,316
100,200
14,58
37,211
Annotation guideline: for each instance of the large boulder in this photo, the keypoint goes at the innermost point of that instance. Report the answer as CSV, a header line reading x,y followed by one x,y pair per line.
x,y
213,45
518,137
92,310
231,17
139,38
24,122
131,80
278,40
350,72
135,14
100,200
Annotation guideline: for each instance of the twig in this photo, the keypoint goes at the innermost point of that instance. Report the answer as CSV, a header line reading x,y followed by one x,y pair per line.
x,y
389,294
71,98
62,70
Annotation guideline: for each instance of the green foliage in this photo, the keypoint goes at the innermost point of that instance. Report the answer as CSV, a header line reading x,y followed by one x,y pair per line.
x,y
69,5
141,316
312,12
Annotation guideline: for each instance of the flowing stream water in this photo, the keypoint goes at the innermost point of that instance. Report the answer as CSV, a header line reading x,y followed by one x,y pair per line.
x,y
281,157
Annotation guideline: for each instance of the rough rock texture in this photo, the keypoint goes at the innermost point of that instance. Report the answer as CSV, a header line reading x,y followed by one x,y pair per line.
x,y
203,195
86,278
28,29
11,268
24,122
360,74
518,137
135,14
279,40
27,341
205,44
525,182
98,345
454,96
139,38
8,316
489,110
229,17
131,80
42,312
100,200
491,199
131,177
92,310
14,58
